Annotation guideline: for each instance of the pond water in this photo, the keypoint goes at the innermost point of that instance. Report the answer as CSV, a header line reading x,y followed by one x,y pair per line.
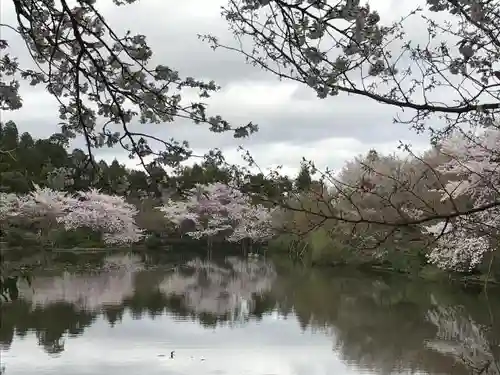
x,y
236,316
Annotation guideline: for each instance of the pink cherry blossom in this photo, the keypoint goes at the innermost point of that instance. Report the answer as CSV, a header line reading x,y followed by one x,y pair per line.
x,y
110,215
218,208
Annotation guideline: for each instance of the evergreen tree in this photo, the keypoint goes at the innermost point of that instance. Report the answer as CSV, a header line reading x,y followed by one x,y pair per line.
x,y
303,181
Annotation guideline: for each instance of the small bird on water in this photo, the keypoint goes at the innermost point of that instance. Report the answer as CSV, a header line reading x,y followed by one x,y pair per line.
x,y
172,354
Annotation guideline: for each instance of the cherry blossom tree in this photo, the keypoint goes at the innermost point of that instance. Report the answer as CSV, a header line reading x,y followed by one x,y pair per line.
x,y
256,223
109,214
210,207
219,209
443,202
463,242
112,216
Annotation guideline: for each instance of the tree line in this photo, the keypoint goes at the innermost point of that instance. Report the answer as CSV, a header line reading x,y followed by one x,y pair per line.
x,y
49,163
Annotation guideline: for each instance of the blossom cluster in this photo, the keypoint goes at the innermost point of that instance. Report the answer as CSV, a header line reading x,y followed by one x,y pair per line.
x,y
474,166
110,215
456,249
219,209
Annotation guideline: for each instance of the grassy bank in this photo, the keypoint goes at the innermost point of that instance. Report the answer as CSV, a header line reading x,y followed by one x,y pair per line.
x,y
318,249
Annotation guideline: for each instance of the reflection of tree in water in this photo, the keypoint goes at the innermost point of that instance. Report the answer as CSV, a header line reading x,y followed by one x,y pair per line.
x,y
58,306
51,323
378,323
158,291
464,339
108,286
228,290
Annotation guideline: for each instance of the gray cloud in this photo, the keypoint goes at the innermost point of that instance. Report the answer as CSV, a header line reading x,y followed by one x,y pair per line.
x,y
298,118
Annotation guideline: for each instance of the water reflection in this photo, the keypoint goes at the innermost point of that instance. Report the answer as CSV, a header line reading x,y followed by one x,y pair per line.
x,y
226,290
464,339
236,316
107,286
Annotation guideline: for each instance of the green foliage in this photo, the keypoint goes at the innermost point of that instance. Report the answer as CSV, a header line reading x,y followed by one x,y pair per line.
x,y
304,180
80,237
153,242
320,247
433,273
19,237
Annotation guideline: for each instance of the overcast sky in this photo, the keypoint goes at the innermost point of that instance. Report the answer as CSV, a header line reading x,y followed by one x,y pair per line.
x,y
293,121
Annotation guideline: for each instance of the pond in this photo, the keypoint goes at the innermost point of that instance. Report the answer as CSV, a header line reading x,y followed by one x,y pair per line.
x,y
236,316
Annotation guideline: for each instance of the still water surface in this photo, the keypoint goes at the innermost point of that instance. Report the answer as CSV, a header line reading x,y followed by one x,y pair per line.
x,y
244,317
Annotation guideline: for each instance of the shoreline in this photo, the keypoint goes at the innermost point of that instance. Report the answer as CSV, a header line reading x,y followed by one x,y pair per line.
x,y
425,273
436,277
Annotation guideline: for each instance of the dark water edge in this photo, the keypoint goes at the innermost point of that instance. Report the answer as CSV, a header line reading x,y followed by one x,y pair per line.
x,y
434,275
184,249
